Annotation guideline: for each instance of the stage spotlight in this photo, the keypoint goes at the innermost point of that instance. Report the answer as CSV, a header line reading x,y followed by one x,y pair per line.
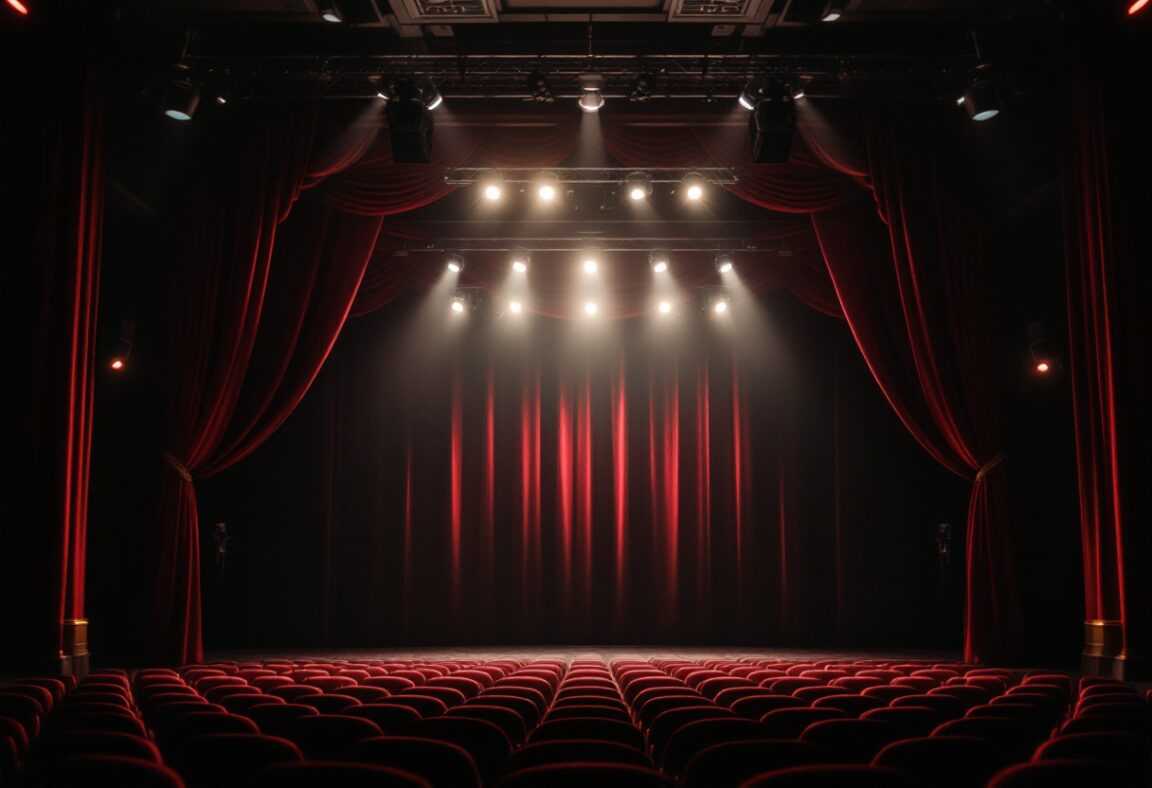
x,y
981,98
801,87
432,96
1135,8
591,97
639,186
1043,367
718,303
591,263
117,364
181,98
547,187
724,263
520,261
459,304
833,10
455,263
1043,359
515,307
329,12
693,187
641,88
753,91
123,346
591,308
409,125
665,307
772,125
22,9
658,260
493,186
540,88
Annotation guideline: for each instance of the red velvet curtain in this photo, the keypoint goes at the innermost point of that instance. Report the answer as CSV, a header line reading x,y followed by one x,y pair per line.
x,y
52,196
910,288
1106,164
260,297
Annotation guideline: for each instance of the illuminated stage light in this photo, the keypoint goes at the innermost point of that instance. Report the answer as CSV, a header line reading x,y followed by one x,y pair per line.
x,y
329,12
1135,8
833,11
693,187
1043,367
982,97
492,185
459,304
117,364
547,187
455,263
22,9
515,307
720,307
591,98
591,264
659,261
520,261
181,99
639,186
665,307
724,263
591,308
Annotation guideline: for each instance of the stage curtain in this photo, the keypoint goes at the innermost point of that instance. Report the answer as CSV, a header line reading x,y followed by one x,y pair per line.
x,y
909,287
1106,162
52,196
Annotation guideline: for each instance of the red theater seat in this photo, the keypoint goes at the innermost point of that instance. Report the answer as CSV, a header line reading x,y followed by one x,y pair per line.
x,y
330,774
790,723
438,762
583,775
853,705
325,736
910,721
1122,749
103,771
1064,774
945,761
423,705
756,706
851,741
576,751
232,760
506,720
64,744
834,776
603,712
589,728
526,708
695,737
731,763
329,703
486,743
275,718
116,723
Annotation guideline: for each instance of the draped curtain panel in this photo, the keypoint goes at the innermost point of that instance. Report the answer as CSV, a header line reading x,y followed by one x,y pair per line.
x,y
1106,164
52,191
909,285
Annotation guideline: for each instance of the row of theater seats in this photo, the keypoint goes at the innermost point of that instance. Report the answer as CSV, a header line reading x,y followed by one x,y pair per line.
x,y
523,724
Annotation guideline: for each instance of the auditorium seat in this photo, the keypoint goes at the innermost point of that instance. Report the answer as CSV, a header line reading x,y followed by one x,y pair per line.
x,y
231,760
1095,723
853,705
103,771
589,709
486,743
583,775
851,740
438,762
1064,774
789,723
756,706
525,707
588,728
325,736
63,744
506,720
730,764
694,737
834,776
1125,750
910,721
327,774
944,761
576,751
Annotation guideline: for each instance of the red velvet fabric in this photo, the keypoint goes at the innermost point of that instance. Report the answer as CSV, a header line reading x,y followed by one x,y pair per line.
x,y
1106,161
909,289
260,301
52,199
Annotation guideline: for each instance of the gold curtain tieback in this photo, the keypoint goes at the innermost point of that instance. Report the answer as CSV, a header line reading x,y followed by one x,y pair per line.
x,y
988,466
180,469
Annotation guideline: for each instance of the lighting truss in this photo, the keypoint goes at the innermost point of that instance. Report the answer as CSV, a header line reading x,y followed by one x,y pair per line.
x,y
468,176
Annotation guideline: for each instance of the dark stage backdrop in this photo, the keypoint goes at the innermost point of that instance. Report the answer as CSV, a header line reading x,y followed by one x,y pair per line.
x,y
487,481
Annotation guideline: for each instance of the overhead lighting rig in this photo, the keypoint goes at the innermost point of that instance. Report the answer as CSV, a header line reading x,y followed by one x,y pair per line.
x,y
563,176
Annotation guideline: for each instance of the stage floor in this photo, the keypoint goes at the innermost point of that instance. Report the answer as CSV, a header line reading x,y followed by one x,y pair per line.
x,y
604,652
